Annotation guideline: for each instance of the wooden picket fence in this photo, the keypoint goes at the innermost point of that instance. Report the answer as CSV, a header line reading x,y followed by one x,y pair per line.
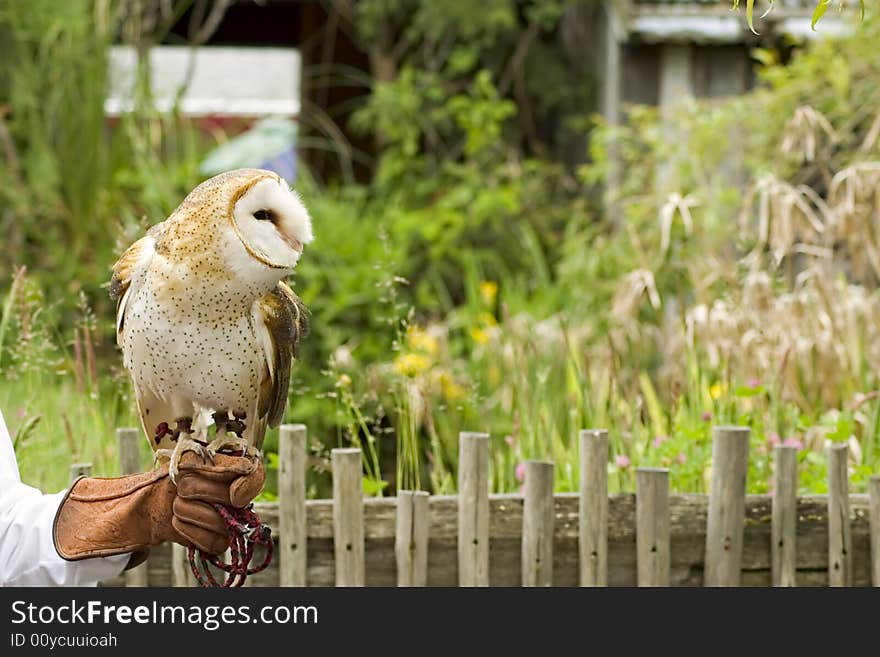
x,y
651,538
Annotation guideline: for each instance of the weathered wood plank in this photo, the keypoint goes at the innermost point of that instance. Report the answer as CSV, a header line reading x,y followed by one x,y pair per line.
x,y
473,510
291,552
181,572
727,493
784,524
593,509
348,517
687,515
537,528
839,533
78,470
129,450
652,526
130,463
411,538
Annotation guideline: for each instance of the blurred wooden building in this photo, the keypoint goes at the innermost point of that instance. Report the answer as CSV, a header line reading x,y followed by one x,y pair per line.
x,y
653,52
658,52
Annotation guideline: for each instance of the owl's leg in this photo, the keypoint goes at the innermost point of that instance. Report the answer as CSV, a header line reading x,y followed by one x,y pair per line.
x,y
236,428
181,436
162,430
221,420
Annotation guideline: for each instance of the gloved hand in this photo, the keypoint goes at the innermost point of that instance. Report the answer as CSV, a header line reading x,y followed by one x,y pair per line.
x,y
103,517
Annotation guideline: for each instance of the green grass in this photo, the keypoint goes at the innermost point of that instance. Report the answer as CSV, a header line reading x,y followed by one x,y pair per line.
x,y
531,384
53,425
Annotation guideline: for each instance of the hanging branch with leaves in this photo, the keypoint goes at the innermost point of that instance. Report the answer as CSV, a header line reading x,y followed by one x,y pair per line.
x,y
821,7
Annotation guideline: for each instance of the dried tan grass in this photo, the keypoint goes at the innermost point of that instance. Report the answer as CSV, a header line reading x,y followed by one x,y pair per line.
x,y
806,132
815,339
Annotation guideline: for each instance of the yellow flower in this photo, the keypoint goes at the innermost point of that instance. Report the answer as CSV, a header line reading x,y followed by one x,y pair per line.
x,y
487,319
479,332
421,340
451,390
479,335
411,364
488,291
717,389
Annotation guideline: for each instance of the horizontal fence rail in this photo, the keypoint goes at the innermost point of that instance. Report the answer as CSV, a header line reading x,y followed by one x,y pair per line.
x,y
649,538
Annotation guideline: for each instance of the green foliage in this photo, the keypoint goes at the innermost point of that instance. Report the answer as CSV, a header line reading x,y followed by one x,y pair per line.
x,y
68,182
476,282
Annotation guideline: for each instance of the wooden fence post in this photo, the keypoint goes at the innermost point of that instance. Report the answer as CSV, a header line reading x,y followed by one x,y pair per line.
x,y
839,534
652,526
129,450
181,573
348,516
411,538
874,493
78,470
538,517
593,508
784,522
292,542
727,500
473,509
130,463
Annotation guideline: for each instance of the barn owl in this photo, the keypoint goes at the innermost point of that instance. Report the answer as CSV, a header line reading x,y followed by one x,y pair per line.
x,y
206,325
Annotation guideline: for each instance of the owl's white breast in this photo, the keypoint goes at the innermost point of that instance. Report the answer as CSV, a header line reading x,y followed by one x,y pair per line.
x,y
189,337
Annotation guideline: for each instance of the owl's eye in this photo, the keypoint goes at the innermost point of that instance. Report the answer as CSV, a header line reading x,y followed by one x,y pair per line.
x,y
263,215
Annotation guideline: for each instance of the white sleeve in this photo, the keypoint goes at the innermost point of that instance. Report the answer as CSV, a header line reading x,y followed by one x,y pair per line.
x,y
27,550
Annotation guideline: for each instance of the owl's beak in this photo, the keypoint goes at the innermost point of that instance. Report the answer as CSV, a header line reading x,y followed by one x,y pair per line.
x,y
292,242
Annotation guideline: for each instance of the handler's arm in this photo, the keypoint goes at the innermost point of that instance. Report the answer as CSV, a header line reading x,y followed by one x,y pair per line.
x,y
27,552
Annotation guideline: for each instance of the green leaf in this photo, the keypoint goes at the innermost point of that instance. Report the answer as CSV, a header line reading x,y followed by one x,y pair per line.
x,y
750,12
843,429
373,486
25,431
765,56
655,408
748,391
820,10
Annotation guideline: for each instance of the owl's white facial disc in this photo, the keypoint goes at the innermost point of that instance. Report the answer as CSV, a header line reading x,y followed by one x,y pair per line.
x,y
273,223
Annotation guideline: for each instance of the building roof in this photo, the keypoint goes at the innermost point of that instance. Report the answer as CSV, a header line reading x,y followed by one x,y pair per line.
x,y
210,80
713,21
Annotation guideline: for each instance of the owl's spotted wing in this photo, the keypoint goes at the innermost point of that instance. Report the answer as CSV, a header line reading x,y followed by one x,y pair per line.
x,y
135,259
281,321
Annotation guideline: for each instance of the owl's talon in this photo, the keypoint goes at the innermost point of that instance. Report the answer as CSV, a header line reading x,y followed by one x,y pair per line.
x,y
184,445
238,444
161,453
202,451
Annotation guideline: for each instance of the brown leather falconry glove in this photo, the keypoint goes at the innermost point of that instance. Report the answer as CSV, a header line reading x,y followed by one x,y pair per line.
x,y
103,517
